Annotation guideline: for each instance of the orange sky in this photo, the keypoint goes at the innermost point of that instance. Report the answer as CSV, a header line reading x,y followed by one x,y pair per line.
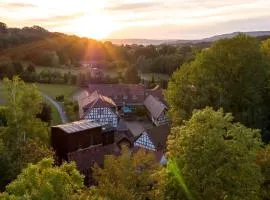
x,y
151,19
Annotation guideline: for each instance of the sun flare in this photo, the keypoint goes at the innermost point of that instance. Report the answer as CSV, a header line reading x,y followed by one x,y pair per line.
x,y
95,25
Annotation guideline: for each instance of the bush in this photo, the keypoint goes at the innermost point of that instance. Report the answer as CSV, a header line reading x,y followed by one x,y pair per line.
x,y
60,98
141,111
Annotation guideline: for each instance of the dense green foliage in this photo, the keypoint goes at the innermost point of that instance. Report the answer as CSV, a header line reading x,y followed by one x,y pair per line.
x,y
266,48
55,49
21,124
3,116
132,177
215,158
24,130
46,113
44,181
72,110
232,74
131,76
263,160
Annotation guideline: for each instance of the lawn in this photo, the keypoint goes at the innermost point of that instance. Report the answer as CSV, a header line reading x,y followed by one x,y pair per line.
x,y
57,69
75,71
54,90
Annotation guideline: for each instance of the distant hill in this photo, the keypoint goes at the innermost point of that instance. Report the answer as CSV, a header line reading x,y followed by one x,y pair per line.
x,y
258,34
230,35
175,41
138,41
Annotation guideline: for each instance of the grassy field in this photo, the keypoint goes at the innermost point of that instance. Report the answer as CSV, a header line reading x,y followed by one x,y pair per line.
x,y
106,72
54,90
74,71
57,69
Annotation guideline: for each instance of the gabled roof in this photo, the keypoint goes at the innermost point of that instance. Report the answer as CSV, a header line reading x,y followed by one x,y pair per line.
x,y
78,126
128,93
158,135
154,106
85,158
95,100
135,128
155,92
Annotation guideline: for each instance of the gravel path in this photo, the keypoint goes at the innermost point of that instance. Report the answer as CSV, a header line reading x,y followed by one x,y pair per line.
x,y
58,106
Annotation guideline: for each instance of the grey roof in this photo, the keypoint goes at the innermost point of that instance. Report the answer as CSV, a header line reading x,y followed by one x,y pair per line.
x,y
158,135
78,126
154,106
122,126
135,128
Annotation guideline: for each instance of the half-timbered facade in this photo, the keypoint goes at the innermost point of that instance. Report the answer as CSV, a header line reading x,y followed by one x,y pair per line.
x,y
103,115
99,108
154,140
145,142
156,110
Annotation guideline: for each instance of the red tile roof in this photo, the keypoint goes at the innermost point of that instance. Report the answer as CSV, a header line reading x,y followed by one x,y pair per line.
x,y
120,93
95,100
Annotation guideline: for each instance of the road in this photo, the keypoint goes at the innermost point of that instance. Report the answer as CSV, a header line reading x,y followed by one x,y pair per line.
x,y
58,106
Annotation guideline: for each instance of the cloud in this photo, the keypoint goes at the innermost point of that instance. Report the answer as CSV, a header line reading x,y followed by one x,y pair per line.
x,y
58,18
203,30
17,5
133,6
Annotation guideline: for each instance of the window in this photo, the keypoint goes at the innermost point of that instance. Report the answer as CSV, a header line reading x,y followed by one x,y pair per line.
x,y
125,97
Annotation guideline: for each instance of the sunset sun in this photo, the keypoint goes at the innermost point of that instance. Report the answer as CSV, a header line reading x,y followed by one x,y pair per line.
x,y
97,25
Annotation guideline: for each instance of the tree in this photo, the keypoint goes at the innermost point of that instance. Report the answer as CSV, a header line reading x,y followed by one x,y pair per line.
x,y
131,75
213,158
71,109
3,116
129,177
29,73
21,124
3,28
18,68
45,181
54,59
30,69
230,74
263,160
23,129
266,48
81,80
46,113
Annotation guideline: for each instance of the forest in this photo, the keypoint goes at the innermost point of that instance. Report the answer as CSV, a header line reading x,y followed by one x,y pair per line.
x,y
32,47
